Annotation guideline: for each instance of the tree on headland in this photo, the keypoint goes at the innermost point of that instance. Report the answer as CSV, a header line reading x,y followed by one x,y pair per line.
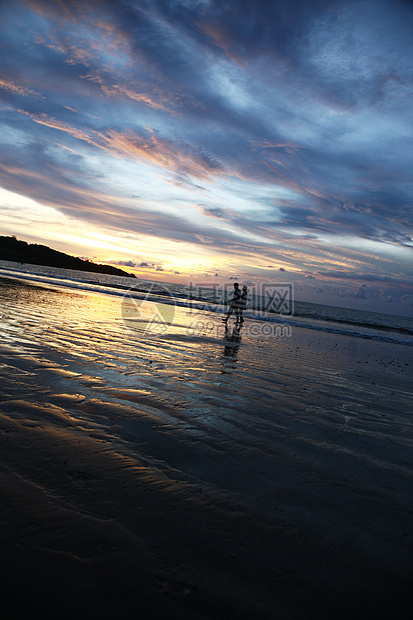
x,y
12,249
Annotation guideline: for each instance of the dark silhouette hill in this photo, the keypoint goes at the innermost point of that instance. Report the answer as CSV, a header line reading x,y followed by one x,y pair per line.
x,y
19,251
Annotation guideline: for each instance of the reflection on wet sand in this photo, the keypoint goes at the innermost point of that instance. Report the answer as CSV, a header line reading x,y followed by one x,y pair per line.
x,y
234,337
205,475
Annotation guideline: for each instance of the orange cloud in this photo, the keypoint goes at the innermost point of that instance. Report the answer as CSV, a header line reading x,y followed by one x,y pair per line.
x,y
116,90
17,89
48,121
161,152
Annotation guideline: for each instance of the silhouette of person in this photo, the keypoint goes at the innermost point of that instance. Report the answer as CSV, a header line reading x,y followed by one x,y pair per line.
x,y
234,303
243,303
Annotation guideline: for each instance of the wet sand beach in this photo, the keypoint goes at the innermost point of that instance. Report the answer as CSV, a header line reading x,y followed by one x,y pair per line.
x,y
189,473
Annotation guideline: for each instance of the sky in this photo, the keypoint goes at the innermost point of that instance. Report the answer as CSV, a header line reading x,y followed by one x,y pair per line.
x,y
199,141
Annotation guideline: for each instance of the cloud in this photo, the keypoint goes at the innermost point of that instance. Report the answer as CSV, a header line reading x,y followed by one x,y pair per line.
x,y
360,291
407,300
170,155
124,263
217,212
384,297
365,277
9,85
147,146
271,129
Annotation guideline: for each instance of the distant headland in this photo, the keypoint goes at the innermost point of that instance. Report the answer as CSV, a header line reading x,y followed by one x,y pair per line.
x,y
21,252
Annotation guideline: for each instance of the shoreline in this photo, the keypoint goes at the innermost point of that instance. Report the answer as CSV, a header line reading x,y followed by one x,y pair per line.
x,y
184,477
280,325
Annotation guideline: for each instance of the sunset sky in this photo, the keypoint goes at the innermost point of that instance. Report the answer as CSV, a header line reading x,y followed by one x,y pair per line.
x,y
201,140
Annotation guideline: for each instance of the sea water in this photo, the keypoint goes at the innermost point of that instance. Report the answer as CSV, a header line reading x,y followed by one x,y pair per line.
x,y
344,321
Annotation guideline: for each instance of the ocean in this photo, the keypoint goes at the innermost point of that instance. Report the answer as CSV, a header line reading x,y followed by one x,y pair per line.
x,y
271,303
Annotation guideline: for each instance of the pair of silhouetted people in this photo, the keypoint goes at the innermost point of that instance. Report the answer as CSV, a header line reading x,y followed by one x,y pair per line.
x,y
238,303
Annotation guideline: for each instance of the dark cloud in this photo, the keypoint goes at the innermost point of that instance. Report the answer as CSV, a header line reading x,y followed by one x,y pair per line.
x,y
407,300
217,212
365,277
360,291
124,263
386,298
